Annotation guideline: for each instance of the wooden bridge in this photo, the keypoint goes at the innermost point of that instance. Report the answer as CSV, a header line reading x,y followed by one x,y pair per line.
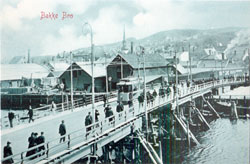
x,y
80,143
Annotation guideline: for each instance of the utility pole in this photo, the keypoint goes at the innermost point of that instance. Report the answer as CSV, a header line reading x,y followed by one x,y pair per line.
x,y
145,97
176,83
71,82
106,72
92,71
139,85
121,69
190,64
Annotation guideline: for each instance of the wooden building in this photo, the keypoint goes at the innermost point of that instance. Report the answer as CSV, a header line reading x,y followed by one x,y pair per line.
x,y
82,77
21,75
125,65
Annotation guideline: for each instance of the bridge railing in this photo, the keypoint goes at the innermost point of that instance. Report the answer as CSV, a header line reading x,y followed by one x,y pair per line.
x,y
81,135
46,110
101,126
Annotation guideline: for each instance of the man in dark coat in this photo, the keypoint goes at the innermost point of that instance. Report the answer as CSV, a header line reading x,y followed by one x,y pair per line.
x,y
84,98
97,115
119,107
62,131
11,116
7,151
30,113
104,100
141,99
110,113
88,121
31,140
41,140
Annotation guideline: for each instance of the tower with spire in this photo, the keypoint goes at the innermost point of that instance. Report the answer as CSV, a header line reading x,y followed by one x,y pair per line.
x,y
124,48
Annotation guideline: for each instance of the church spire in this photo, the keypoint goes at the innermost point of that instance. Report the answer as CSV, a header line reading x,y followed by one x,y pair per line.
x,y
124,39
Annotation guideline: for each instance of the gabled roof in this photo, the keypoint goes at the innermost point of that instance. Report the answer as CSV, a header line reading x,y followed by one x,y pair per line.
x,y
59,66
212,63
17,71
180,69
17,60
99,69
151,60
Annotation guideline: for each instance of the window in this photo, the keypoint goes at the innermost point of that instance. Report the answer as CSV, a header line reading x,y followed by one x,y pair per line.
x,y
118,71
75,74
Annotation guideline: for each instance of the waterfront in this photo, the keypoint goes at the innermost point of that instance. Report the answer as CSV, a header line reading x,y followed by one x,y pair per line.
x,y
226,142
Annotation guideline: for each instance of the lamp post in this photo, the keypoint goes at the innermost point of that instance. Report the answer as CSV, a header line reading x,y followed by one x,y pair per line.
x,y
106,73
145,97
176,83
71,83
190,65
92,68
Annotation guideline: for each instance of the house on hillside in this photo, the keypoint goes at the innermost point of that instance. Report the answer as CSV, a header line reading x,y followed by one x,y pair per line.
x,y
212,59
131,65
82,77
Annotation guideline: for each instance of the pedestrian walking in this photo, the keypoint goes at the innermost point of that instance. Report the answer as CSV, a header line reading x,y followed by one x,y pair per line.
x,y
31,141
62,131
30,113
97,115
119,107
11,116
108,112
88,121
53,107
35,150
140,99
7,151
41,140
84,98
104,100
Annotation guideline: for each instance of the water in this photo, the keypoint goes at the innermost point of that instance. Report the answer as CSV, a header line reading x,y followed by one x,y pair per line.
x,y
226,142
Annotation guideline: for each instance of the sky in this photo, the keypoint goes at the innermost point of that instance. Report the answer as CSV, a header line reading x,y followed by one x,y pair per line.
x,y
22,27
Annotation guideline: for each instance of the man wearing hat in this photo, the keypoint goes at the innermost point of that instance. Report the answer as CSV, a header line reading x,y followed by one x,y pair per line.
x,y
11,116
7,152
62,131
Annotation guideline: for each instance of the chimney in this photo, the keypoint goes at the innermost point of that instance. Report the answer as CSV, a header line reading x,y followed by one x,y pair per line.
x,y
234,52
223,56
29,56
132,47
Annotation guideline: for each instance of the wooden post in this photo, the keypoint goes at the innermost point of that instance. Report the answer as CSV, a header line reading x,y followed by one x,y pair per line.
x,y
234,113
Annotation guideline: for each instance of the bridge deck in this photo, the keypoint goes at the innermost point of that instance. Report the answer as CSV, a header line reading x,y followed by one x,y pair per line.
x,y
75,121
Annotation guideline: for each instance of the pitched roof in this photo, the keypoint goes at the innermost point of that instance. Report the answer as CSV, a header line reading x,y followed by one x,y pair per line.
x,y
17,60
211,63
99,69
181,69
17,71
151,60
59,66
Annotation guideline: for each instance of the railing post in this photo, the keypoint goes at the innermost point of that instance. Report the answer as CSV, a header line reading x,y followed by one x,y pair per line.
x,y
22,158
47,152
69,141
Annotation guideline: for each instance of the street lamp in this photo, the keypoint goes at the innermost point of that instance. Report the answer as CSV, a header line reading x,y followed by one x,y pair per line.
x,y
145,97
85,32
